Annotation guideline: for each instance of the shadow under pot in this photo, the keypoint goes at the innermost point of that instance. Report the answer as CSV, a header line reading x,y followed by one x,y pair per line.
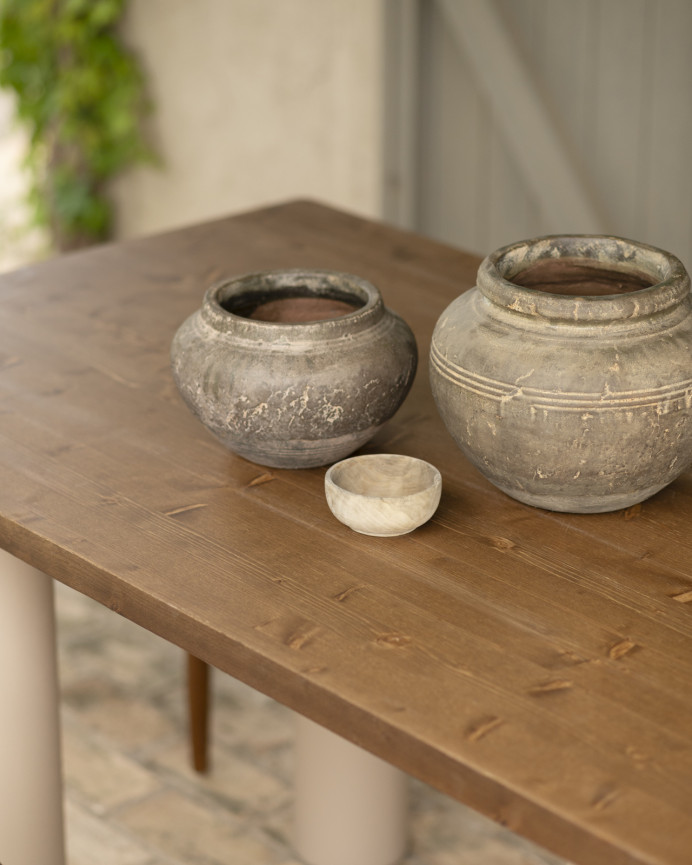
x,y
293,368
565,376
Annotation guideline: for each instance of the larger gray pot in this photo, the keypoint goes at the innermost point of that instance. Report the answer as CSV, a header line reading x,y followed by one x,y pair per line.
x,y
294,368
565,376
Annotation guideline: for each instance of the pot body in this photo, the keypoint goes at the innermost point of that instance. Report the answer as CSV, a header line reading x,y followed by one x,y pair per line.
x,y
293,393
565,376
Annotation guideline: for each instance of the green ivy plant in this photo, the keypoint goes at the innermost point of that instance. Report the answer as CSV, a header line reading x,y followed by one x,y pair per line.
x,y
81,95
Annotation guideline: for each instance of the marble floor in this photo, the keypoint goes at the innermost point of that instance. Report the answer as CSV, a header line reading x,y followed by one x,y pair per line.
x,y
132,798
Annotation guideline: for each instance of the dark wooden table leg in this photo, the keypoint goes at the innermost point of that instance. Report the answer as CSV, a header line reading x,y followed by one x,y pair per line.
x,y
198,711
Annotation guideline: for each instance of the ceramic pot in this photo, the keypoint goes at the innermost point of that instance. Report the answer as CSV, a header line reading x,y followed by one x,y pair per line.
x,y
293,368
565,376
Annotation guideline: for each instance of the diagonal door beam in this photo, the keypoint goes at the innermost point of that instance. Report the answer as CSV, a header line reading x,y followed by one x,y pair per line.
x,y
522,117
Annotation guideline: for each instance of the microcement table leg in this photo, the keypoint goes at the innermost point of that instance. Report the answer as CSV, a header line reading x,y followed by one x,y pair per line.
x,y
350,807
31,814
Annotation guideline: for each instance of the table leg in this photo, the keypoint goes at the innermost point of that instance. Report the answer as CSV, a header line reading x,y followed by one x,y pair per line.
x,y
31,814
198,695
349,805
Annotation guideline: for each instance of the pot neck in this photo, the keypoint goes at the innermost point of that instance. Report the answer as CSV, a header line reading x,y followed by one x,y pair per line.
x,y
228,305
664,280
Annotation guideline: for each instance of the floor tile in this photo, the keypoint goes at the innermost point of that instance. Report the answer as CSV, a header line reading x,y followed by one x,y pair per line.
x,y
196,835
239,785
92,840
129,722
99,774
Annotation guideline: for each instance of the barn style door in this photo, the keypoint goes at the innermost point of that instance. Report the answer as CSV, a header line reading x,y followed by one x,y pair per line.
x,y
514,118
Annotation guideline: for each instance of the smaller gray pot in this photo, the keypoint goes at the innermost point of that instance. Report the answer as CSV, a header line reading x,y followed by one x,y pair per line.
x,y
293,368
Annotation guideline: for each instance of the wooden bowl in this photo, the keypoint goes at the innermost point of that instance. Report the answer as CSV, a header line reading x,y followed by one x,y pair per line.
x,y
383,494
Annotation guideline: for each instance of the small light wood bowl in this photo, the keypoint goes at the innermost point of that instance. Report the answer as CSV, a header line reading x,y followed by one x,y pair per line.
x,y
383,494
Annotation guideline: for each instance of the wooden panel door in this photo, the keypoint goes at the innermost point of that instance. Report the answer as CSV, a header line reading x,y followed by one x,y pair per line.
x,y
527,117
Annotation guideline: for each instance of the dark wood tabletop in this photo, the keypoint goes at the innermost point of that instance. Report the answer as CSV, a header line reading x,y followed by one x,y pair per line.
x,y
536,666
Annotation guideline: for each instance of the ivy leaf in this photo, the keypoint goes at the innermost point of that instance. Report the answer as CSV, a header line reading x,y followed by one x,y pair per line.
x,y
81,95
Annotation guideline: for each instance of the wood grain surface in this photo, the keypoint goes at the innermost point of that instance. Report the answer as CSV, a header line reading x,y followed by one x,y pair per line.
x,y
534,665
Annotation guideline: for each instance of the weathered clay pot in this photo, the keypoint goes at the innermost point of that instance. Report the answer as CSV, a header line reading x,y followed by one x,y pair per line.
x,y
293,368
565,376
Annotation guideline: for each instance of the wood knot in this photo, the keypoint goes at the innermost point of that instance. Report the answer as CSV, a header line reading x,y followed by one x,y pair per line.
x,y
550,687
342,596
482,728
571,659
183,510
637,757
300,638
619,650
264,478
633,512
564,658
393,641
502,544
605,797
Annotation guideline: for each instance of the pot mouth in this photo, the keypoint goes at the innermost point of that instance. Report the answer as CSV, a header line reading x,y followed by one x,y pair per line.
x,y
292,303
583,278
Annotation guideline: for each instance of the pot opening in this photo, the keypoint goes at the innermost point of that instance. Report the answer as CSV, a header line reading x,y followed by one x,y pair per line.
x,y
293,306
579,277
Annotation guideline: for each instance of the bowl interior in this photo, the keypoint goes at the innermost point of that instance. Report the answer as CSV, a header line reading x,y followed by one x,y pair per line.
x,y
384,475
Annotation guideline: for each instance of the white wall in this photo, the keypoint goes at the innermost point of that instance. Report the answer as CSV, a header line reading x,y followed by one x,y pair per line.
x,y
256,101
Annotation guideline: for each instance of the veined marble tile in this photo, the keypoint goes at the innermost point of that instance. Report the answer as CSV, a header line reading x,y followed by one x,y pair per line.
x,y
129,722
233,782
92,840
185,830
99,774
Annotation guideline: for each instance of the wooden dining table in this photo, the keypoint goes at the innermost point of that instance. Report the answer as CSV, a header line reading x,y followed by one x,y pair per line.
x,y
534,665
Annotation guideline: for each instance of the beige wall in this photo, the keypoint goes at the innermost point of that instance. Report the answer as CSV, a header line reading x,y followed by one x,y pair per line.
x,y
256,101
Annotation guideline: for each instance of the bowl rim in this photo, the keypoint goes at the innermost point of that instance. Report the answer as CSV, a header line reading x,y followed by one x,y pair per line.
x,y
435,477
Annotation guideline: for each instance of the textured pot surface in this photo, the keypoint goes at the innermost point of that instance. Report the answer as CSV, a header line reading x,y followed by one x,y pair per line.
x,y
565,376
294,368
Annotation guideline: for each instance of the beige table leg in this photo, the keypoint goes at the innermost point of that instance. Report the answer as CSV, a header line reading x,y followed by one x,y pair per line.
x,y
31,816
350,807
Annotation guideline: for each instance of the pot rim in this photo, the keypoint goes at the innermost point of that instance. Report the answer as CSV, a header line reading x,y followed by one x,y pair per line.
x,y
671,283
272,284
